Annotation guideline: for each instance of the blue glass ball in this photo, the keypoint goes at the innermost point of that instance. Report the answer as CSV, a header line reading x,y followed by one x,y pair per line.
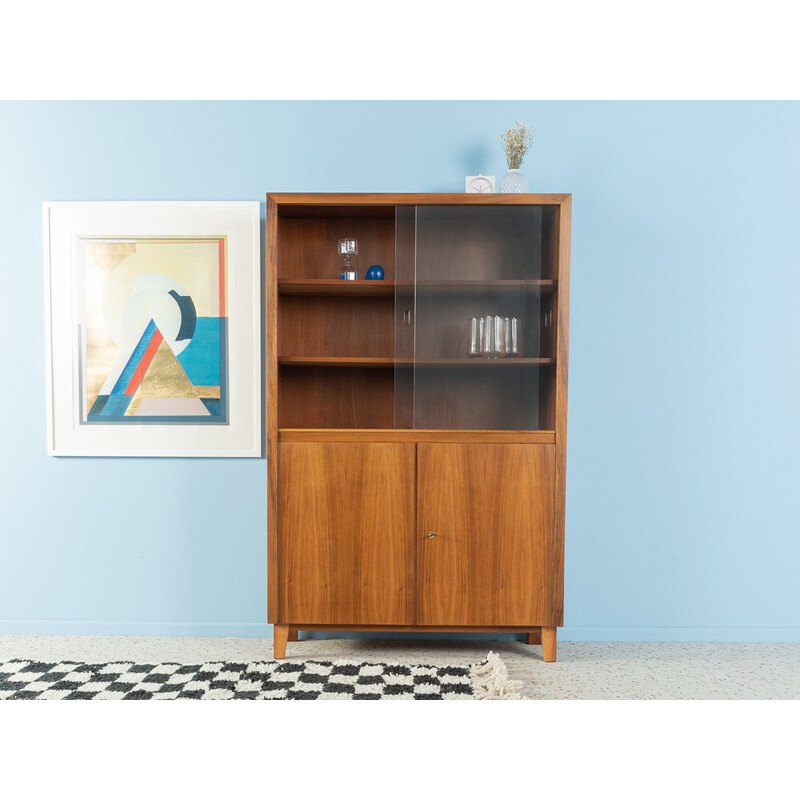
x,y
375,273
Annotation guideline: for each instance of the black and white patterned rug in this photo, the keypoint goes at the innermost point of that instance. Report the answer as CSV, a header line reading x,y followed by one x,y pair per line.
x,y
262,680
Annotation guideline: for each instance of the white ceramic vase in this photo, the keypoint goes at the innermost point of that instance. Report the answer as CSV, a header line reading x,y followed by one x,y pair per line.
x,y
513,182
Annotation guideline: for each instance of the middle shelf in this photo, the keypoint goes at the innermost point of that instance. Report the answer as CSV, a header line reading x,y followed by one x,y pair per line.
x,y
345,361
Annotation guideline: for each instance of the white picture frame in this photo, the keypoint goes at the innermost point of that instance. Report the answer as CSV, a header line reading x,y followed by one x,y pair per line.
x,y
228,427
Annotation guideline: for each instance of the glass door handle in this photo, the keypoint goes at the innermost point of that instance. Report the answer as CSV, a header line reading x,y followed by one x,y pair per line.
x,y
407,317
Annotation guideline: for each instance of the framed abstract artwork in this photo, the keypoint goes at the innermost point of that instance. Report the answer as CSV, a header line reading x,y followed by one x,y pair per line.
x,y
153,328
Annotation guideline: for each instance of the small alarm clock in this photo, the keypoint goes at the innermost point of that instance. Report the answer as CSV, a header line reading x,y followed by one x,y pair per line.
x,y
375,273
480,184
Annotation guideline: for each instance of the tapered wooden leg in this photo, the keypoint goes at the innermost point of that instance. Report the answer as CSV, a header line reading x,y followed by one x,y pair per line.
x,y
549,643
281,635
535,637
292,634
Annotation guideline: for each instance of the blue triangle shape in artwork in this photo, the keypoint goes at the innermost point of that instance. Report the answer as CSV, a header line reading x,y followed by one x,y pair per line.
x,y
212,404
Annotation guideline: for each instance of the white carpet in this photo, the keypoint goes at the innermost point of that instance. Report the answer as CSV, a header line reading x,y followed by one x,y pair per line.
x,y
584,670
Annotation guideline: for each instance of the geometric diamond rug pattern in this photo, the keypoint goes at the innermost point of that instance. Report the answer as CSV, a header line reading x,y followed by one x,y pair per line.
x,y
261,680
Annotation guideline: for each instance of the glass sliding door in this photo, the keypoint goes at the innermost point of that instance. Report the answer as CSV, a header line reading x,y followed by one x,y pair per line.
x,y
472,313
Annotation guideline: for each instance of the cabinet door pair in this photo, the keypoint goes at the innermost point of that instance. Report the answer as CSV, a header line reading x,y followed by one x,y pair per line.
x,y
416,534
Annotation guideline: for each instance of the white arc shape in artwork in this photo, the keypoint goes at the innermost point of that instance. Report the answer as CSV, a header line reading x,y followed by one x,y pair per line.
x,y
150,300
190,268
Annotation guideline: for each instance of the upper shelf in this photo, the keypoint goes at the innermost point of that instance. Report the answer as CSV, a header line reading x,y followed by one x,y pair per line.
x,y
324,286
334,286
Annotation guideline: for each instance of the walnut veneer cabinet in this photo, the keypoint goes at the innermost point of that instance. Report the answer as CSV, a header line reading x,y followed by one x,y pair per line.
x,y
413,487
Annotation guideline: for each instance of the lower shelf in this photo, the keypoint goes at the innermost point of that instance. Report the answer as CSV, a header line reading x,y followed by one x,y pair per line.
x,y
412,435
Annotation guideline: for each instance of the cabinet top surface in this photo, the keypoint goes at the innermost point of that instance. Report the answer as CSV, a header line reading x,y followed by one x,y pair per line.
x,y
410,199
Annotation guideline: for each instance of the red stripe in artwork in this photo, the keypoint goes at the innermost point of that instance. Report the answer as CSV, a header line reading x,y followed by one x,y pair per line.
x,y
147,358
222,309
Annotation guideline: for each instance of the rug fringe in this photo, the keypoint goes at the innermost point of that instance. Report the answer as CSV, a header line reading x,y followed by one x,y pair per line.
x,y
490,680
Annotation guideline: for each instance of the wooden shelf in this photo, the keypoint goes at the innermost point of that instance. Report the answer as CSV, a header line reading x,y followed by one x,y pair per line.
x,y
412,435
478,287
333,361
334,286
477,362
345,361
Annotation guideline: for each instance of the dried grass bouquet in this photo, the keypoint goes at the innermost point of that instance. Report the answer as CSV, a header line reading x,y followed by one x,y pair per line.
x,y
516,142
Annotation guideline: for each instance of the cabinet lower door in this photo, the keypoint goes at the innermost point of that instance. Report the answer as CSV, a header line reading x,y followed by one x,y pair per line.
x,y
346,533
485,534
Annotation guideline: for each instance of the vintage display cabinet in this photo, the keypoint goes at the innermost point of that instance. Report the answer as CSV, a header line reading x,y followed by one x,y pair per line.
x,y
416,425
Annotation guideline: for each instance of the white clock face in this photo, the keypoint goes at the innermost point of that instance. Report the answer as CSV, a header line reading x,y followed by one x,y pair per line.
x,y
480,185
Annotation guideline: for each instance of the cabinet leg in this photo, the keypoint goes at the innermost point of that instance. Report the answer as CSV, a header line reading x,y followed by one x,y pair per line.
x,y
535,637
281,635
549,643
292,634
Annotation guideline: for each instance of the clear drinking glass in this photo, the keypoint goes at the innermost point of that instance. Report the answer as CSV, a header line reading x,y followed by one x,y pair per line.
x,y
474,342
514,338
487,340
498,339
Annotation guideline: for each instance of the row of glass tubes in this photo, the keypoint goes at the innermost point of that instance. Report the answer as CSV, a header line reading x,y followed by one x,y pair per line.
x,y
494,337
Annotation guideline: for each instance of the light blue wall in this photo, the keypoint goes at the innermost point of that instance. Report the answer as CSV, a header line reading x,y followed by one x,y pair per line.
x,y
684,441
